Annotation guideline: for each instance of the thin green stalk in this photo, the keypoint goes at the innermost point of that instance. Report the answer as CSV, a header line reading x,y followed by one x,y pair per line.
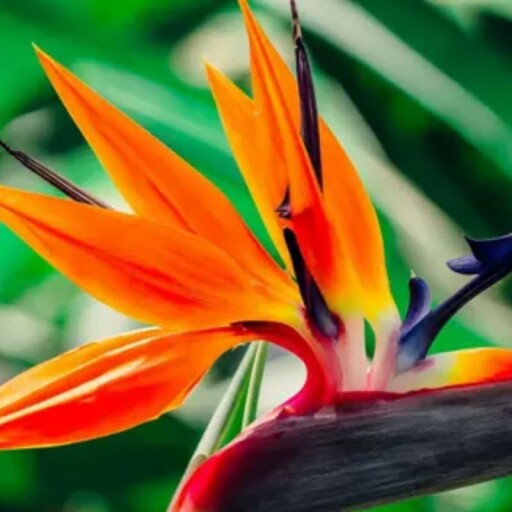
x,y
228,419
255,381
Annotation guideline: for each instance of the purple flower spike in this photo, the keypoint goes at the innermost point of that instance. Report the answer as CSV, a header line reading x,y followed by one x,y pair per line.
x,y
490,261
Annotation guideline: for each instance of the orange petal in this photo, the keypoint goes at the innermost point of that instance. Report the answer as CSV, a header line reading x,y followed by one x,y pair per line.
x,y
459,368
109,386
156,182
323,250
152,272
257,160
347,204
351,211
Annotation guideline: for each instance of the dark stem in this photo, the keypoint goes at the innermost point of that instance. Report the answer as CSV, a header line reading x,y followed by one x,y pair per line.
x,y
308,109
308,105
59,182
373,453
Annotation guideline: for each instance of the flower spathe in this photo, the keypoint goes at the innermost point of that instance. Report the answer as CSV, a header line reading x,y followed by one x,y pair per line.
x,y
171,264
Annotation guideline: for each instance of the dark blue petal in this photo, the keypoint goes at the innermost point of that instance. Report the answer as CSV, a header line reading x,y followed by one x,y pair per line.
x,y
309,121
414,344
419,303
491,251
491,261
466,265
310,128
316,307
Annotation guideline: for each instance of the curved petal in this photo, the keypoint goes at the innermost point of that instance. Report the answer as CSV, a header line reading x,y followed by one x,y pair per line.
x,y
152,272
346,202
156,182
323,250
108,386
459,368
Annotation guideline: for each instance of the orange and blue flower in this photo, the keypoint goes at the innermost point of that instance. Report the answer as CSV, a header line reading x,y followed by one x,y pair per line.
x,y
185,263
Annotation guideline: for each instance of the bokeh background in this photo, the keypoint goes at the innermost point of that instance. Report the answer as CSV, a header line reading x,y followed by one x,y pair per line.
x,y
419,92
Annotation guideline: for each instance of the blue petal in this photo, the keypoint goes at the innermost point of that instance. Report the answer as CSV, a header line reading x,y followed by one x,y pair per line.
x,y
419,303
486,252
491,251
466,265
490,262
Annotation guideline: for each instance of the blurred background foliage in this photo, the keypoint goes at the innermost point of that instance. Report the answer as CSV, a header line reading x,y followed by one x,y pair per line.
x,y
417,90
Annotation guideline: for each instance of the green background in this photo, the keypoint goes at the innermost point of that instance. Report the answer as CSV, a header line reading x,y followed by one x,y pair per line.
x,y
418,91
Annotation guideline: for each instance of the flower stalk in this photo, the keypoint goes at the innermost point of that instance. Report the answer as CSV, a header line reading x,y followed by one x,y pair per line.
x,y
240,399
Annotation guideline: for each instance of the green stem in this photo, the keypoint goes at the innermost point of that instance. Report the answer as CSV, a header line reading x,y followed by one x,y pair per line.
x,y
227,420
255,380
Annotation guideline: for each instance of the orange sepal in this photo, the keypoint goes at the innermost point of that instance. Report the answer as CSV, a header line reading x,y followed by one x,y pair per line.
x,y
152,272
347,204
105,387
323,250
459,368
255,156
350,209
155,181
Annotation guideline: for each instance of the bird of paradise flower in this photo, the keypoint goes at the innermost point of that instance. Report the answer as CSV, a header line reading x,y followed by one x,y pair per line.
x,y
172,264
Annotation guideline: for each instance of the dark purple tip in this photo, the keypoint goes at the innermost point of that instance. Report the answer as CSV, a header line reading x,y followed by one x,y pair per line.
x,y
56,180
308,106
310,131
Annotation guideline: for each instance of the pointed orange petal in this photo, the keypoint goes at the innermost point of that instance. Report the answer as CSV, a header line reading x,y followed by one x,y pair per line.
x,y
156,182
347,204
459,368
351,211
152,272
257,159
109,386
323,250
